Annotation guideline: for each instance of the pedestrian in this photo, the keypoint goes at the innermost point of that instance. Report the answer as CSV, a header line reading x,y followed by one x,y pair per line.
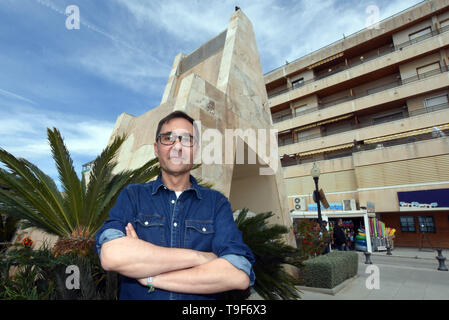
x,y
172,238
340,237
327,240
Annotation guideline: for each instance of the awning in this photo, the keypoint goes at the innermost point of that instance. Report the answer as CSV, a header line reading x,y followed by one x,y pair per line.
x,y
329,149
323,122
338,55
406,134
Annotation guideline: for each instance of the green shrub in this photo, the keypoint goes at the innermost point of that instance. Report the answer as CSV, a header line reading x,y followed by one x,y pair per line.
x,y
40,275
328,271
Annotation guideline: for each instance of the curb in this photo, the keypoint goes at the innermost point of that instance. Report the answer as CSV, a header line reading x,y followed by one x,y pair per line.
x,y
399,256
332,291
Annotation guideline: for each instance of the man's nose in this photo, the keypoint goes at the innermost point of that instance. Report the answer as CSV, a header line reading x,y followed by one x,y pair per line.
x,y
177,145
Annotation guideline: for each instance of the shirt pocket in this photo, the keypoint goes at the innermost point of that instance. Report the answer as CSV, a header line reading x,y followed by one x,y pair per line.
x,y
199,235
151,228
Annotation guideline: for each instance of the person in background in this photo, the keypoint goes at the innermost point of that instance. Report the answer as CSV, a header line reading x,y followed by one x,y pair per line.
x,y
328,238
339,237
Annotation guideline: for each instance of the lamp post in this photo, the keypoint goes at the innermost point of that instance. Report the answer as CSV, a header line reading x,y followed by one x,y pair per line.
x,y
315,173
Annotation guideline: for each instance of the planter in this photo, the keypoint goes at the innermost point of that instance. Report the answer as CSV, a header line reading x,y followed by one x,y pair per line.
x,y
330,270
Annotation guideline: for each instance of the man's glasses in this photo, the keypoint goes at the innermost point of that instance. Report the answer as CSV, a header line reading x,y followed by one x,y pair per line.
x,y
169,138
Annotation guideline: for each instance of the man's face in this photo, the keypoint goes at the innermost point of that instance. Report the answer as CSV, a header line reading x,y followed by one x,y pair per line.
x,y
175,159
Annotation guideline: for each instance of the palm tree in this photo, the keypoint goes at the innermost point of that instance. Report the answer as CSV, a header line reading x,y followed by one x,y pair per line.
x,y
271,254
76,212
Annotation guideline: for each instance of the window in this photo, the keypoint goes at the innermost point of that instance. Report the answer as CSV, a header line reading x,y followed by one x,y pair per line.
x,y
298,83
281,115
302,135
300,109
420,33
426,224
444,23
407,224
436,103
428,70
284,140
388,117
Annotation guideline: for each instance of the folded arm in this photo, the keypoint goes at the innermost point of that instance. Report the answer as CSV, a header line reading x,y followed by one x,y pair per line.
x,y
136,258
215,276
212,276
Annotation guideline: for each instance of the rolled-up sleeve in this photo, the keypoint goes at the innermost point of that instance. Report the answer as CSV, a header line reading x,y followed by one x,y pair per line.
x,y
119,216
107,235
243,264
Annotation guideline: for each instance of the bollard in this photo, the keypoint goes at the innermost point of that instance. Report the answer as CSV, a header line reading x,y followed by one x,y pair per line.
x,y
368,257
389,251
441,259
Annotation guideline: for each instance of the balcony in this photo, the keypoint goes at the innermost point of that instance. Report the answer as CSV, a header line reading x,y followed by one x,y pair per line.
x,y
376,125
395,84
395,48
288,161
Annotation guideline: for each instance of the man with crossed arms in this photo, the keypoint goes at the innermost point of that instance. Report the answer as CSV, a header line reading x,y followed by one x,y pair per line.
x,y
171,238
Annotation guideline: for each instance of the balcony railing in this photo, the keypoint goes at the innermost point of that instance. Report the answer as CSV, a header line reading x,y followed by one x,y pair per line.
x,y
292,161
354,64
393,84
353,127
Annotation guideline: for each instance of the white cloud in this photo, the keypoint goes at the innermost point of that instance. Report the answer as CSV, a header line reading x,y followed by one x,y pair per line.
x,y
284,30
23,132
133,69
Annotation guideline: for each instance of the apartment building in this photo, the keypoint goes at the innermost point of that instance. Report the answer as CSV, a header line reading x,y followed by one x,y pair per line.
x,y
372,111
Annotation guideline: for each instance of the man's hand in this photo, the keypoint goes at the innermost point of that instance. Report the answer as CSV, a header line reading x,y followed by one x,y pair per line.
x,y
130,232
204,256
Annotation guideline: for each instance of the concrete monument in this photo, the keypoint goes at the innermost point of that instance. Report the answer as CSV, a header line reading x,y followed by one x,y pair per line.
x,y
221,86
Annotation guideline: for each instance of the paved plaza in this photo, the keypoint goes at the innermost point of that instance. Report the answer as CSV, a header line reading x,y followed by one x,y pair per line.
x,y
408,274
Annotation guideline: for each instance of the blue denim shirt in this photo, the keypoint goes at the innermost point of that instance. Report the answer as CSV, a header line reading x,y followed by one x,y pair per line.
x,y
199,219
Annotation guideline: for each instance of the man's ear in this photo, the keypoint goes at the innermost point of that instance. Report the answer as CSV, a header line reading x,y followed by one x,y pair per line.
x,y
155,150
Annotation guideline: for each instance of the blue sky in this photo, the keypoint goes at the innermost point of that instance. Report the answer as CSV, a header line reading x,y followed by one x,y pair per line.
x,y
81,80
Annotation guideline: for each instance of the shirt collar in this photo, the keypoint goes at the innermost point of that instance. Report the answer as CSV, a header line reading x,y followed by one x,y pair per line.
x,y
159,184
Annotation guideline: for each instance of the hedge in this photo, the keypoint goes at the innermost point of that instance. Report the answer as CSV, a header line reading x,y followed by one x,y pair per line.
x,y
329,270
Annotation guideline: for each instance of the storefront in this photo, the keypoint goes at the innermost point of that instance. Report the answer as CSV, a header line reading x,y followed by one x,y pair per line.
x,y
375,233
422,220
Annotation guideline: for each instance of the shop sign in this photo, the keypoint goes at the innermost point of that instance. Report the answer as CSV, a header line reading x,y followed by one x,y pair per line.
x,y
370,207
332,206
436,199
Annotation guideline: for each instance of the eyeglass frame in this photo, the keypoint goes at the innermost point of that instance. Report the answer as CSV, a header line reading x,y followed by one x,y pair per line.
x,y
178,137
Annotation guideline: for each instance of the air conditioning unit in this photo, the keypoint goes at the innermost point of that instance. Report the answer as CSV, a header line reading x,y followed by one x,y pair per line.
x,y
349,205
299,204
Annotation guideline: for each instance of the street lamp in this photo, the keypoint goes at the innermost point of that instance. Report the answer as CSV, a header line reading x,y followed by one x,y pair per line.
x,y
315,173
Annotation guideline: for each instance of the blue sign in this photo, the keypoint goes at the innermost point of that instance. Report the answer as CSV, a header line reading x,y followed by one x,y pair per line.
x,y
332,206
425,199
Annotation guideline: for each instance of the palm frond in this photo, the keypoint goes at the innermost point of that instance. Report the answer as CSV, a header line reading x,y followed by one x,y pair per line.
x,y
25,184
18,207
71,184
78,210
99,178
271,254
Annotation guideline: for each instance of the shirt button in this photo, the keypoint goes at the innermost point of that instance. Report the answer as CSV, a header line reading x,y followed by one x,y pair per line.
x,y
146,223
175,224
173,201
204,229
